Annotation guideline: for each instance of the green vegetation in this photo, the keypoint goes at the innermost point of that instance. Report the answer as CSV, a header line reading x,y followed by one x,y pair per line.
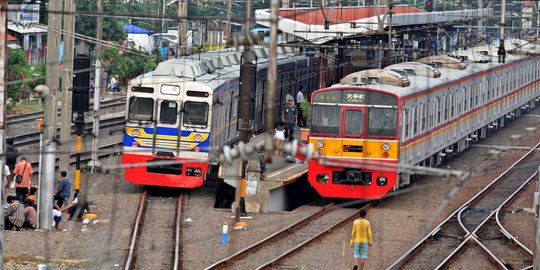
x,y
127,65
306,109
20,74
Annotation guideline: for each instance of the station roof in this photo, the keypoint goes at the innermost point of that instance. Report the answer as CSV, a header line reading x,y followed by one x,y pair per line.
x,y
308,23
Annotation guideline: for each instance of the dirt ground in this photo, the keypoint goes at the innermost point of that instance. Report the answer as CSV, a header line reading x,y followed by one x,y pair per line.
x,y
397,222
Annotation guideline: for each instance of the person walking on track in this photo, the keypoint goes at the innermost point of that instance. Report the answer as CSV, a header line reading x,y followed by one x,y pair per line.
x,y
360,239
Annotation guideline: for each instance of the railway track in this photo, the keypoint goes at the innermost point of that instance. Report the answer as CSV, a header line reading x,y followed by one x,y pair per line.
x,y
86,156
156,237
469,229
33,137
28,117
268,252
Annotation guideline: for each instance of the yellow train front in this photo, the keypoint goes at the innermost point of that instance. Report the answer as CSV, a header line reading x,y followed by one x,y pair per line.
x,y
354,130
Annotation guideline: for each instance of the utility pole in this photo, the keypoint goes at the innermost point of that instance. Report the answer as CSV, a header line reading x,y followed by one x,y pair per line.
x,y
536,265
94,162
284,37
182,33
229,26
247,73
272,74
67,85
49,113
3,99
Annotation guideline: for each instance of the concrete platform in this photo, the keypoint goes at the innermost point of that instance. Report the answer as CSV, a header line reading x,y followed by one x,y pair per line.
x,y
262,194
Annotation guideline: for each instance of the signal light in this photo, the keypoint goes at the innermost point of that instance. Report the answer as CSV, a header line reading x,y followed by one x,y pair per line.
x,y
429,5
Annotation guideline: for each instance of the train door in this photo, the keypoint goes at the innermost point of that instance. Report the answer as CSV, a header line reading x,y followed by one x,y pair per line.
x,y
167,139
353,130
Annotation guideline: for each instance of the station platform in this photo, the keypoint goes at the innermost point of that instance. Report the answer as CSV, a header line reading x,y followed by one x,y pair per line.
x,y
266,195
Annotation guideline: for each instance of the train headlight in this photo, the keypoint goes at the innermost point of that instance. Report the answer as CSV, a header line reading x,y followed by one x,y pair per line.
x,y
386,146
319,143
382,181
198,137
323,178
135,132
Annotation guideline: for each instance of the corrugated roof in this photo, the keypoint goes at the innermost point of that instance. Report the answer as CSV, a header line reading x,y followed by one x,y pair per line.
x,y
339,15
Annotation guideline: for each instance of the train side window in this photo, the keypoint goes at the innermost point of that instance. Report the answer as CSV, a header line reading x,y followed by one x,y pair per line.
x,y
439,110
415,120
407,125
354,122
195,113
424,117
446,106
168,112
141,109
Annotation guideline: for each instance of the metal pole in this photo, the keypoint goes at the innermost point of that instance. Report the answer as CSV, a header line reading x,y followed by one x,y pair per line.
x,y
272,74
49,121
67,85
3,99
229,26
182,33
246,73
94,162
284,4
536,265
80,129
99,36
502,52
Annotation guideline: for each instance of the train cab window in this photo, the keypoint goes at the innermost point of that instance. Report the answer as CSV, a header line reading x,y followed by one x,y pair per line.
x,y
141,109
382,122
168,112
354,122
195,113
325,119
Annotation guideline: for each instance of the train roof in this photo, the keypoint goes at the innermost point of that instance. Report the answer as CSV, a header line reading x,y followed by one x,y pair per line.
x,y
212,68
449,73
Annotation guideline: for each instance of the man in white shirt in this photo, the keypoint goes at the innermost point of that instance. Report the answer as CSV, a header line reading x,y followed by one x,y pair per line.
x,y
299,100
289,96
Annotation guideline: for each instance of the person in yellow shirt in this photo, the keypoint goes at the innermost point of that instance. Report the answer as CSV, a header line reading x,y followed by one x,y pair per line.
x,y
360,238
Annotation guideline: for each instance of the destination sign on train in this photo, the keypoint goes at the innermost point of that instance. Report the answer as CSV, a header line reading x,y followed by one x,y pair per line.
x,y
355,97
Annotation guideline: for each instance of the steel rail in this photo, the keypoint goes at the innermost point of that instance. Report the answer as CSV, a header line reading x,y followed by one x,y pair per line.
x,y
136,230
503,229
269,238
15,119
33,137
72,155
299,246
178,231
408,254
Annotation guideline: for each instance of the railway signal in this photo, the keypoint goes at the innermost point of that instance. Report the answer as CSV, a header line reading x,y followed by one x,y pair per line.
x,y
80,101
429,5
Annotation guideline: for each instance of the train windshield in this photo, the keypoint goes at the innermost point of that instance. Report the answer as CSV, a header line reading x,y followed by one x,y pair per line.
x,y
382,122
354,122
325,119
141,109
195,113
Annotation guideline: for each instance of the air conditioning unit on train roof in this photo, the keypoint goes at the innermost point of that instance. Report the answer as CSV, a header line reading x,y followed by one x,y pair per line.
x,y
416,69
377,76
261,53
443,61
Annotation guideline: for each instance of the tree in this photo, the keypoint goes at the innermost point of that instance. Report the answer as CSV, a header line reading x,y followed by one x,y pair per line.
x,y
127,65
18,75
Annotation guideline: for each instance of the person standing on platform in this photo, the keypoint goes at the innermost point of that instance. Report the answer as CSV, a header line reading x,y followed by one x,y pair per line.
x,y
64,189
289,95
23,169
299,100
289,116
360,239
